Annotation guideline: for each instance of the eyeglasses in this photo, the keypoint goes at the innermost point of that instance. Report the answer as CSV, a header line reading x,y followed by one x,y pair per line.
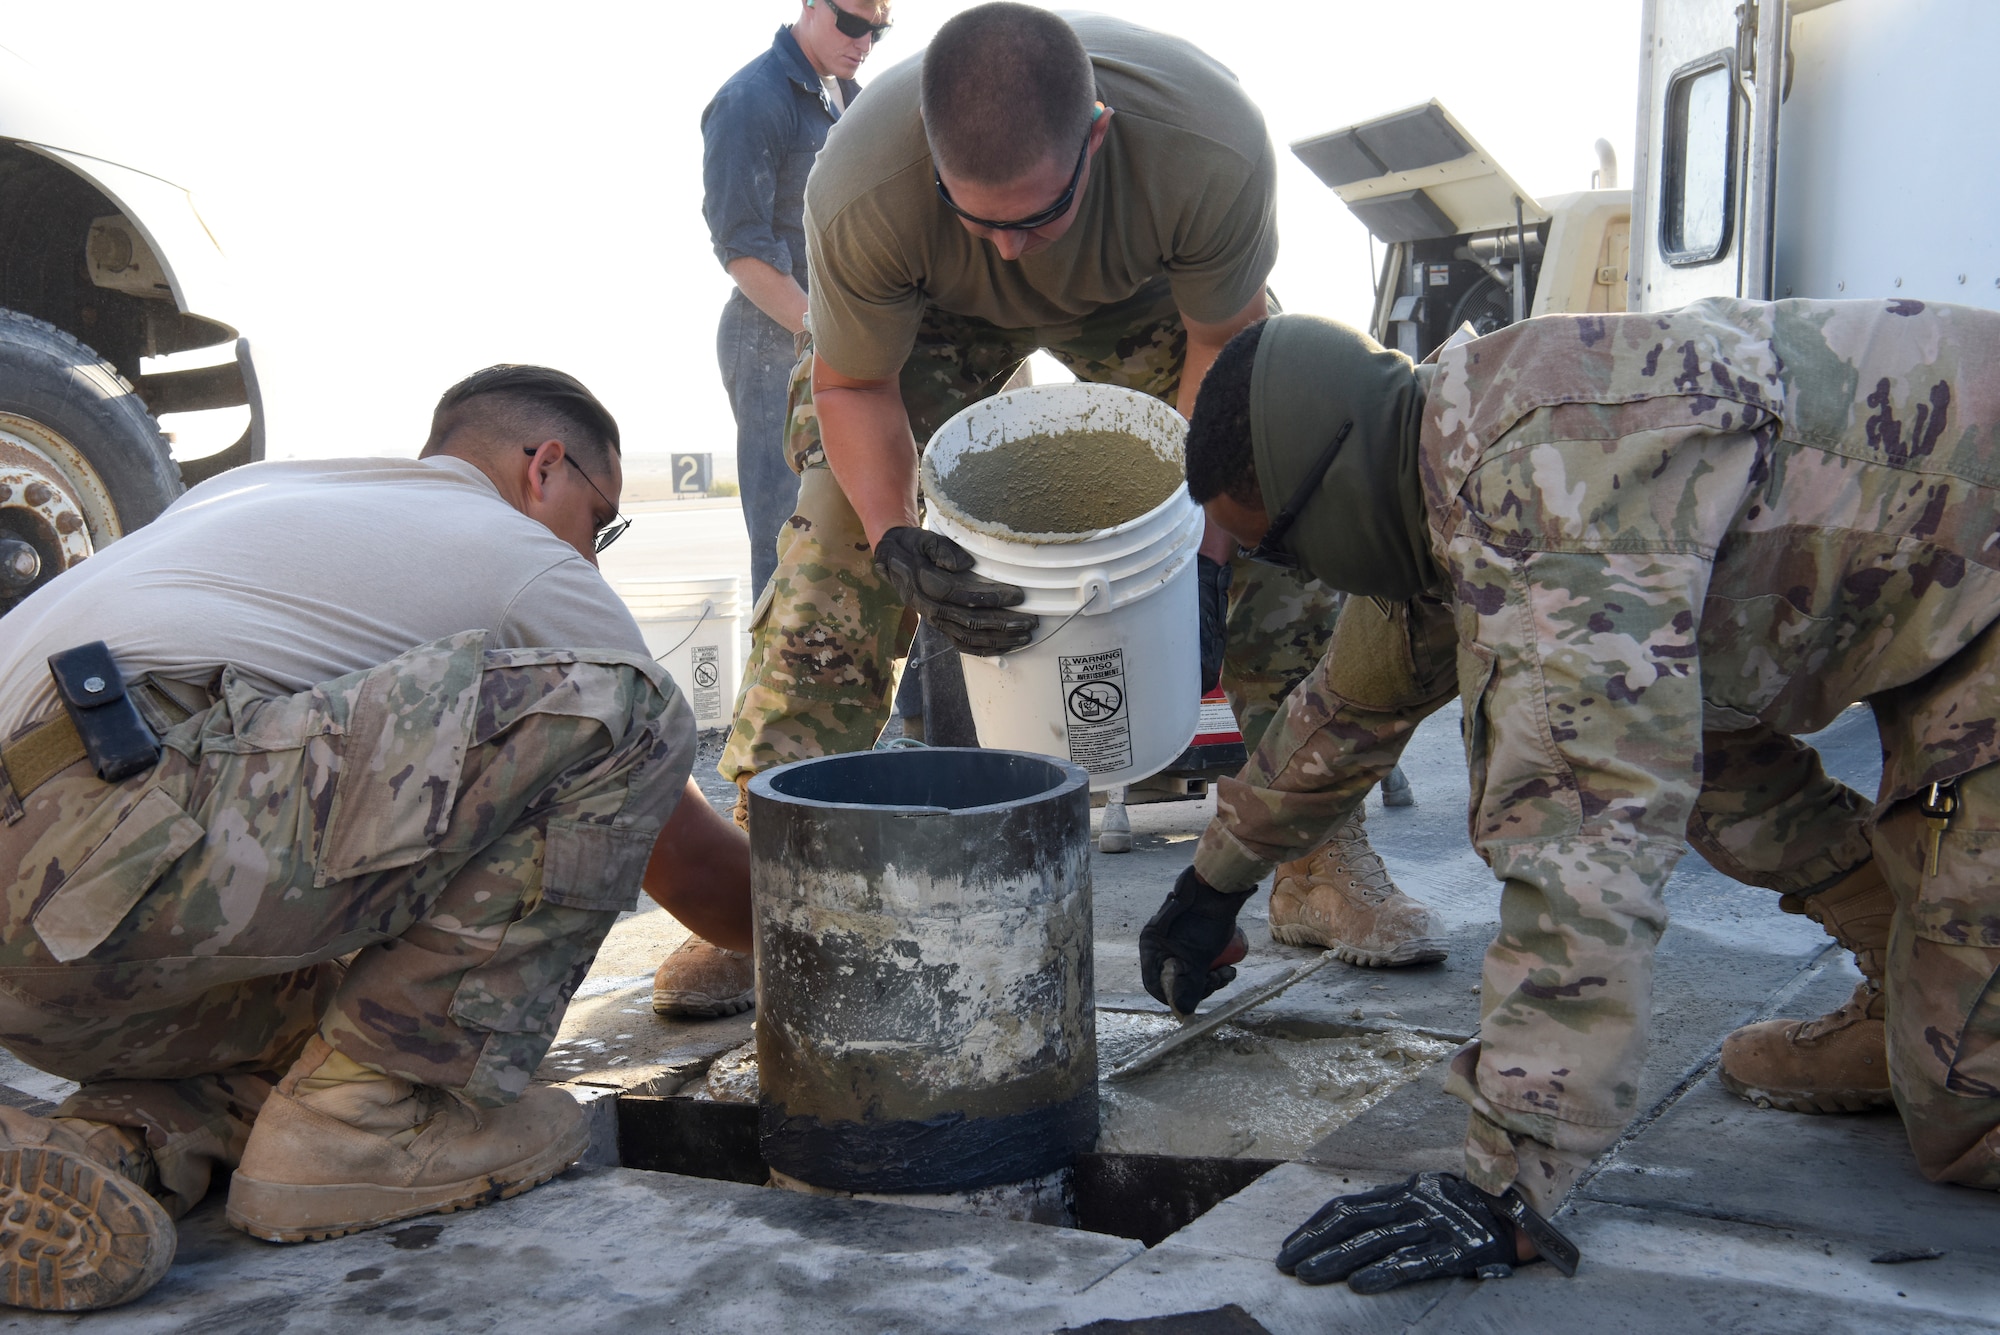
x,y
1047,215
1268,552
853,25
611,529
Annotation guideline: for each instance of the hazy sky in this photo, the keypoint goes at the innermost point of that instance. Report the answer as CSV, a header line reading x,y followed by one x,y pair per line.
x,y
411,191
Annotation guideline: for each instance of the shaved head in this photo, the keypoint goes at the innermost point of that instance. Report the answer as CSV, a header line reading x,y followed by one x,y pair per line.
x,y
1220,461
1005,88
504,407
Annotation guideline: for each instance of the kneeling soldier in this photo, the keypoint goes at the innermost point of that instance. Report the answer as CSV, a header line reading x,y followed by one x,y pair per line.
x,y
342,774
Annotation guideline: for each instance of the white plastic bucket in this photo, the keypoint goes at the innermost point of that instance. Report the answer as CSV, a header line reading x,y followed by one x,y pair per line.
x,y
1112,679
692,627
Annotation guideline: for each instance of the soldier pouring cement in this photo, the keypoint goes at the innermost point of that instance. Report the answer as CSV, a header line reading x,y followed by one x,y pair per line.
x,y
1081,186
1663,547
319,795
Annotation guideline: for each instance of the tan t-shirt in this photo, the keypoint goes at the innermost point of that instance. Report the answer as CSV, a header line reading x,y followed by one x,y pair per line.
x,y
1185,184
298,572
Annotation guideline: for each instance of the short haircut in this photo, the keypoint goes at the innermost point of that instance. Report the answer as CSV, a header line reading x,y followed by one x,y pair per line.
x,y
1006,87
526,405
1220,461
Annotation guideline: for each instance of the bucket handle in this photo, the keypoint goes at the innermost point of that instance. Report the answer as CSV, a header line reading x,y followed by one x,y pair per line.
x,y
1000,660
1090,586
707,606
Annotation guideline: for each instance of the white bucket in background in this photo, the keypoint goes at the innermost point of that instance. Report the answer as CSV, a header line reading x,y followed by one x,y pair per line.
x,y
691,626
1115,688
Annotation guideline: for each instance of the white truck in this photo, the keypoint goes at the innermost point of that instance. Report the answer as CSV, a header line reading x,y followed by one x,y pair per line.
x,y
1808,148
104,267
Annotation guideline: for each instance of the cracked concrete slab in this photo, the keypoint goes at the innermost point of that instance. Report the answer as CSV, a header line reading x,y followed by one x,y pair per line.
x,y
1659,1271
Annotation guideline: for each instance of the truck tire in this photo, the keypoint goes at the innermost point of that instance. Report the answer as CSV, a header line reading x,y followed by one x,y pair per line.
x,y
82,463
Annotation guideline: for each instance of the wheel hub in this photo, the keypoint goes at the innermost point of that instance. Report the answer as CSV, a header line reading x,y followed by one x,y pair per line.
x,y
49,498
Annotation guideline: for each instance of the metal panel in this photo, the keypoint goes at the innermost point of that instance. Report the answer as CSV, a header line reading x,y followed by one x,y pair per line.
x,y
1448,186
1643,184
1408,215
1768,62
1888,168
1339,158
1409,140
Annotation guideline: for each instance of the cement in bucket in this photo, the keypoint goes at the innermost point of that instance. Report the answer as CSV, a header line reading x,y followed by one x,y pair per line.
x,y
925,1007
1112,679
693,627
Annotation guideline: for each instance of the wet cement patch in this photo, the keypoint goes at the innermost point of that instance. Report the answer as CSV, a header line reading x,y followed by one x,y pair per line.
x,y
1067,482
1239,1092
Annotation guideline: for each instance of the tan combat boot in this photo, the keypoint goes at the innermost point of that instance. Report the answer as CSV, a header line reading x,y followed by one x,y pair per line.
x,y
1838,1062
339,1148
699,981
78,1230
1340,898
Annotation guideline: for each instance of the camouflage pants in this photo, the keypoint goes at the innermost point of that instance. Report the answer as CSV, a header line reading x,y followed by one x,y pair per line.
x,y
1767,814
1942,978
827,632
465,823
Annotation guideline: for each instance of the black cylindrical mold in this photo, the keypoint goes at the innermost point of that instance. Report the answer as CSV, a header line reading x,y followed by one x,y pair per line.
x,y
925,1020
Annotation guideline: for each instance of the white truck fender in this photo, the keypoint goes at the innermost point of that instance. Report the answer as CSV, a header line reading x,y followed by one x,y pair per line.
x,y
196,270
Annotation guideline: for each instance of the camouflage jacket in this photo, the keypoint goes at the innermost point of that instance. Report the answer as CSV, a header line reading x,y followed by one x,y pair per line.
x,y
1757,512
1738,514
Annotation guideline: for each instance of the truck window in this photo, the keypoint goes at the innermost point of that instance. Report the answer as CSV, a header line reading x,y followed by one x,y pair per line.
x,y
1698,165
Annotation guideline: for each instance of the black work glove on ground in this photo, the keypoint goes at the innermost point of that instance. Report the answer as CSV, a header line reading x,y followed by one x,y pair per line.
x,y
1211,580
1179,947
934,575
1433,1224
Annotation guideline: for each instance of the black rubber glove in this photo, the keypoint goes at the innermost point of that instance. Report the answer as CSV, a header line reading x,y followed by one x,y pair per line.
x,y
1211,580
934,575
1181,950
1434,1224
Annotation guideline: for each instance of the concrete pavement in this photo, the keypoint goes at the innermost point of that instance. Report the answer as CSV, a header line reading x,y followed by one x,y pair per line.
x,y
1710,1214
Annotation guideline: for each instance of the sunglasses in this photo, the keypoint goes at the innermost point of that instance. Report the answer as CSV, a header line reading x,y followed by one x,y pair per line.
x,y
611,529
1269,552
853,25
1030,223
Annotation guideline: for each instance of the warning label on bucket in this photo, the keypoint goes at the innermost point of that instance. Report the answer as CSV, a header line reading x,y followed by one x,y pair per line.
x,y
707,671
1099,725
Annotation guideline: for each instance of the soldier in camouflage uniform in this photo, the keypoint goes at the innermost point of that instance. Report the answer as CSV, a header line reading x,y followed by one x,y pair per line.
x,y
1154,253
327,938
1664,546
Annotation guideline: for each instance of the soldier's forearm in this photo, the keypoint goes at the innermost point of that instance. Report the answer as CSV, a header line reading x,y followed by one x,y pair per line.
x,y
700,872
865,432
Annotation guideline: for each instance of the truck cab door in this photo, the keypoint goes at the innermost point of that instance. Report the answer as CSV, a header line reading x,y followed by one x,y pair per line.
x,y
1710,78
